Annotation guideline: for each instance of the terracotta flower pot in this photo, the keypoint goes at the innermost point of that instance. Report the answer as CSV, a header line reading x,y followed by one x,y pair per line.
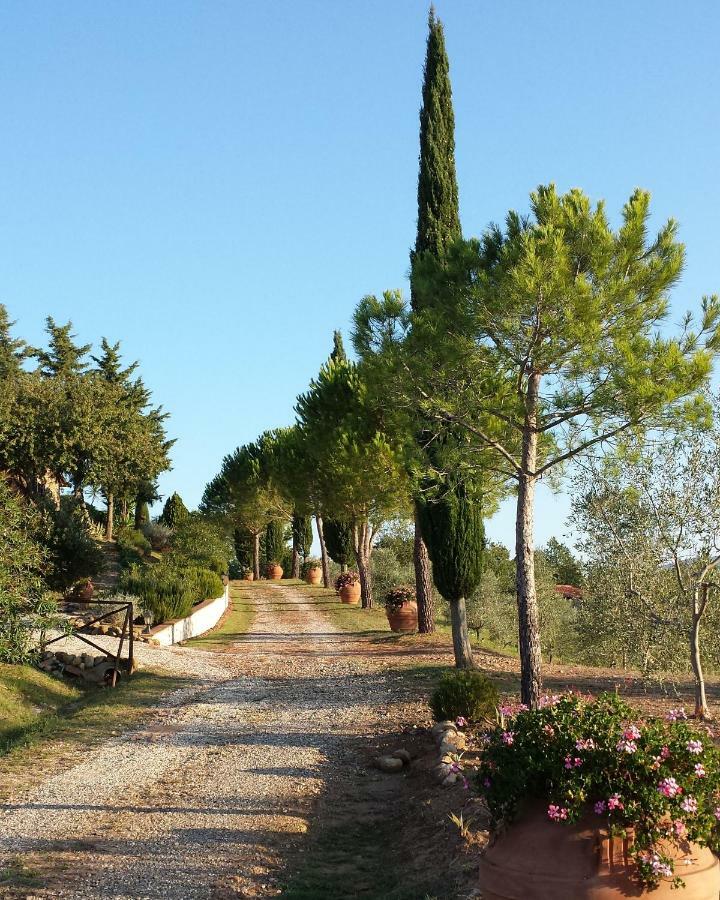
x,y
83,592
405,618
350,593
537,859
313,576
274,573
249,576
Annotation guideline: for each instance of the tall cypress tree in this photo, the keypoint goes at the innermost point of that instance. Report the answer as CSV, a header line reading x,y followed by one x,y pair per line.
x,y
438,224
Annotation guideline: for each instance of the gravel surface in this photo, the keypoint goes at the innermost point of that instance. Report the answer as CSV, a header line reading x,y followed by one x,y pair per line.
x,y
195,802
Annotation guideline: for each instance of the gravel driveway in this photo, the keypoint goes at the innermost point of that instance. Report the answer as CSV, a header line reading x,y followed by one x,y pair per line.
x,y
202,799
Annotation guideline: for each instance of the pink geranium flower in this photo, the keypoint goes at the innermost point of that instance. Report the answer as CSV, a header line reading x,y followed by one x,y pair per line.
x,y
668,787
557,813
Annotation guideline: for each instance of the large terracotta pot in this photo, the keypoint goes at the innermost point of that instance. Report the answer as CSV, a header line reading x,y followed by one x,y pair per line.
x,y
313,576
83,592
274,573
249,576
537,859
405,618
350,593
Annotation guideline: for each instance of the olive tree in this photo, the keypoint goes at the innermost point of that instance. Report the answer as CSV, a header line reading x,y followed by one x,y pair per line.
x,y
657,510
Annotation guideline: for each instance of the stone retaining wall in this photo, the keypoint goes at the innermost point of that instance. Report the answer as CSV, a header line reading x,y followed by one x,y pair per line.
x,y
204,616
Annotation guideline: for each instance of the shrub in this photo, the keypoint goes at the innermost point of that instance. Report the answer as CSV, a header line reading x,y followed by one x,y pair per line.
x,y
200,543
132,544
465,693
25,608
73,554
168,591
660,777
158,534
346,580
398,597
310,563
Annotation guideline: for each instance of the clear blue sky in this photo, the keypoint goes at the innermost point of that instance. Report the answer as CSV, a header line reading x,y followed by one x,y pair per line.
x,y
217,184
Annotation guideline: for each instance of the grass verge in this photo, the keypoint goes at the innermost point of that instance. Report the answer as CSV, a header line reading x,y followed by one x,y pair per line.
x,y
236,622
44,720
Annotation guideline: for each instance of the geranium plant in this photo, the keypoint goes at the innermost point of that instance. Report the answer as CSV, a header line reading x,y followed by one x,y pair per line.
x,y
658,777
398,597
346,580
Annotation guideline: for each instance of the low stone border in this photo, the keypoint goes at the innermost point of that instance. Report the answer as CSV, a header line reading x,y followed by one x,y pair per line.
x,y
204,616
451,742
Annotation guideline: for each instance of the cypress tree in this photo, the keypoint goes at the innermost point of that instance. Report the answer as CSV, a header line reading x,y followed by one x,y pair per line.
x,y
452,526
302,534
339,541
243,543
438,224
274,541
174,512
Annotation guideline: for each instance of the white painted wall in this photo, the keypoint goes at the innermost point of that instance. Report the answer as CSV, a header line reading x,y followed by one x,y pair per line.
x,y
203,617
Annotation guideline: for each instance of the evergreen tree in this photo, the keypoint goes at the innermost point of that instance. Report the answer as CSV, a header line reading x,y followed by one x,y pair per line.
x,y
452,526
338,350
274,541
12,351
302,534
63,357
438,224
174,512
339,541
564,567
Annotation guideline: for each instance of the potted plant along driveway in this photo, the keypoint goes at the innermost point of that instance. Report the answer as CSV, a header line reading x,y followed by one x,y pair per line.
x,y
348,587
401,609
273,571
589,801
312,571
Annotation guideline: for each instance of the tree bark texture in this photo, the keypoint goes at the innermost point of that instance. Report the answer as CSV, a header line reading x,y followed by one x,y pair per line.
x,y
295,567
110,518
461,640
362,539
323,550
423,583
528,615
256,555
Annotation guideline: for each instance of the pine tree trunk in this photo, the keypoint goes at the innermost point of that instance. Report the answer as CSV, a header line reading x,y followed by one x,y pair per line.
x,y
323,550
295,568
461,638
110,517
423,582
256,556
701,707
362,539
528,615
